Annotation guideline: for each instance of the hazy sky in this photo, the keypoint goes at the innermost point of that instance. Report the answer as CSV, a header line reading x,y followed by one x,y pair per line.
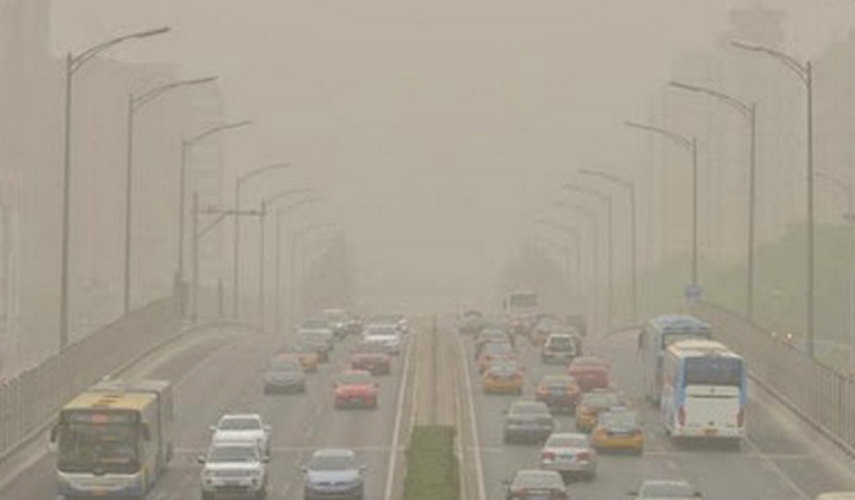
x,y
434,126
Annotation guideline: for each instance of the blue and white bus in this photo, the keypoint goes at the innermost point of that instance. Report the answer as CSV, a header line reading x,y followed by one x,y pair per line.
x,y
657,335
704,391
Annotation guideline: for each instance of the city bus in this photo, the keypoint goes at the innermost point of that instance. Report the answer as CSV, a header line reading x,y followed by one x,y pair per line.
x,y
657,335
114,439
520,307
704,391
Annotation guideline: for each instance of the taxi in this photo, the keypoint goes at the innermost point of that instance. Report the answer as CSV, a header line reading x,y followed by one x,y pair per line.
x,y
307,355
618,429
592,404
503,377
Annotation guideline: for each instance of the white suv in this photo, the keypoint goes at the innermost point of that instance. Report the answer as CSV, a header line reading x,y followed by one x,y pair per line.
x,y
248,427
234,469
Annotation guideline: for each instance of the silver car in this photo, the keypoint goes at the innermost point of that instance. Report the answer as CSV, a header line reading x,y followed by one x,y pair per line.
x,y
570,454
284,373
528,421
333,473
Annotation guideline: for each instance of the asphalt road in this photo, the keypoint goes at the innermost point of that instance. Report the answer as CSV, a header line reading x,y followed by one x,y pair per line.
x,y
780,460
223,375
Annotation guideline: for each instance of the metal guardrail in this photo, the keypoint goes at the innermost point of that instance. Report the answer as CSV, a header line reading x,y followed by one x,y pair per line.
x,y
821,395
32,397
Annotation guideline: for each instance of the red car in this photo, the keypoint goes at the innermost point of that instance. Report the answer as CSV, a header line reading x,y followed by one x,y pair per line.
x,y
356,389
560,393
590,373
373,357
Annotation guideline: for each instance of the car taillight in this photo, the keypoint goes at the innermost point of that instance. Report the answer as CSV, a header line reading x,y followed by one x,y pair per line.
x,y
583,455
681,415
548,455
740,417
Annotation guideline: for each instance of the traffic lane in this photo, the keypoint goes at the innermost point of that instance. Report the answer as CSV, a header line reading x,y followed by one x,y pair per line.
x,y
774,462
748,475
300,423
39,480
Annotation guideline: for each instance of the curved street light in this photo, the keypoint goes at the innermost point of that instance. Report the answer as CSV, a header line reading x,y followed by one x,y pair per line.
x,y
281,214
240,181
633,215
136,103
298,236
575,235
73,63
690,144
804,72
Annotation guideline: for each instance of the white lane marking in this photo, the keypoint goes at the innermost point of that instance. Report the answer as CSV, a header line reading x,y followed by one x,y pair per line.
x,y
774,467
476,441
396,431
417,366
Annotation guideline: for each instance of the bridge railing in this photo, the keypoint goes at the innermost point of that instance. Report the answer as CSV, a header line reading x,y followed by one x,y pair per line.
x,y
821,395
29,400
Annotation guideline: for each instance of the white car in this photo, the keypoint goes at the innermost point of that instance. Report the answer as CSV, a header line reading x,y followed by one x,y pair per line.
x,y
388,336
569,454
248,427
666,490
234,469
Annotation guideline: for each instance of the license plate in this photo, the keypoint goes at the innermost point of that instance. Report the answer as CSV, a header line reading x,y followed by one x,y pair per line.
x,y
569,458
710,432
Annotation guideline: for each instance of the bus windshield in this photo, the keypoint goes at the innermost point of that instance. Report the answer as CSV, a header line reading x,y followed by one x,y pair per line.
x,y
718,371
672,337
103,447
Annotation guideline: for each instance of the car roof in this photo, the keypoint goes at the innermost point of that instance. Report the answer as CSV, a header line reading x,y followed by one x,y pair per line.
x,y
242,416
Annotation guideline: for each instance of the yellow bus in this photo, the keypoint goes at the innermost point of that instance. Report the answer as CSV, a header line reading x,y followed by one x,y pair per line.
x,y
115,439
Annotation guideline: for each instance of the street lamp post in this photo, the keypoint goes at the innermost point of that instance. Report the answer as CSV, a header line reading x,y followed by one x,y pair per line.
x,y
846,187
749,112
610,224
239,183
186,146
292,265
73,63
573,233
804,72
690,144
135,103
596,262
633,210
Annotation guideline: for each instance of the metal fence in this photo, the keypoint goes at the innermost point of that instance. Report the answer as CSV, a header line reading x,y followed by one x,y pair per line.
x,y
820,394
30,399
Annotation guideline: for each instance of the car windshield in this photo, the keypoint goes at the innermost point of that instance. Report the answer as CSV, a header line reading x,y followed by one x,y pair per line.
x,y
529,409
355,378
561,343
497,348
553,380
315,323
239,424
369,348
624,419
567,442
588,361
332,462
230,454
666,490
284,365
601,399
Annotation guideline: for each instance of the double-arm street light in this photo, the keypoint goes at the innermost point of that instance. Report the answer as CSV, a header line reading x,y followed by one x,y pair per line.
x,y
633,216
281,213
804,72
73,63
186,146
749,112
610,231
574,235
241,180
136,103
690,144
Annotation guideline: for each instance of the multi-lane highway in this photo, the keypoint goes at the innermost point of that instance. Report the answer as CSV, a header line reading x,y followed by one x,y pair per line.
x,y
222,374
780,460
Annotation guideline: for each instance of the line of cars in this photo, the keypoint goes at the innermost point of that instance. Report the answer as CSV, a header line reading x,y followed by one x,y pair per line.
x,y
581,387
236,463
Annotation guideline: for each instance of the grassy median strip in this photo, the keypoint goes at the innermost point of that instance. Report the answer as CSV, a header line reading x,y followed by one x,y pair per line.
x,y
432,472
